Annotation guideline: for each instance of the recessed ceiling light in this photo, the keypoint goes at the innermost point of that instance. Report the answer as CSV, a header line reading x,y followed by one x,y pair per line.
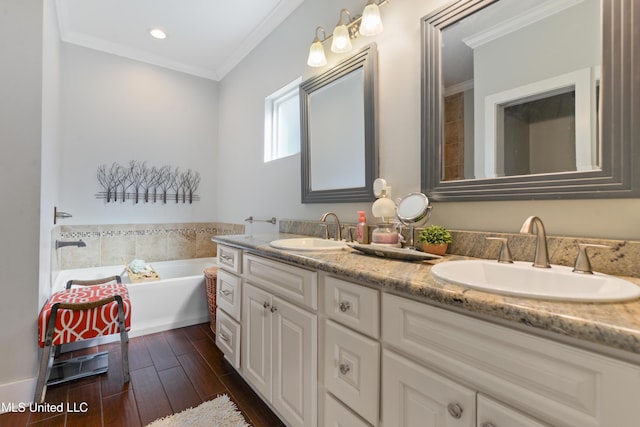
x,y
158,33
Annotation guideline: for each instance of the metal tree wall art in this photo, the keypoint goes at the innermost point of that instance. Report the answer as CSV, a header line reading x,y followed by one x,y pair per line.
x,y
139,182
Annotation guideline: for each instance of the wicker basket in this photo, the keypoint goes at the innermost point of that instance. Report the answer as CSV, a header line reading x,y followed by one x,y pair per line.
x,y
210,275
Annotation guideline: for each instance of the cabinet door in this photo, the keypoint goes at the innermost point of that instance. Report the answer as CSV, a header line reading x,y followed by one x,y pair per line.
x,y
415,396
494,414
295,383
256,349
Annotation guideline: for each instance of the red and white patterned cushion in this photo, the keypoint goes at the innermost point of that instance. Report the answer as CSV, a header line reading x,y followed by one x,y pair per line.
x,y
76,325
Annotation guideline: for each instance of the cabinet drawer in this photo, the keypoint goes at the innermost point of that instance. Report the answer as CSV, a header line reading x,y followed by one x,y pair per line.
x,y
336,415
228,294
415,396
351,369
491,413
228,337
292,283
353,305
559,384
230,258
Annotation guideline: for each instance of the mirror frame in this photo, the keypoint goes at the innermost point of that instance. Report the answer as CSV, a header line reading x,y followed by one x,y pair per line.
x,y
619,176
367,60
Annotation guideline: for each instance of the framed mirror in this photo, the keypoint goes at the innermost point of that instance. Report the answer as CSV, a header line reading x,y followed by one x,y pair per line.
x,y
531,99
339,151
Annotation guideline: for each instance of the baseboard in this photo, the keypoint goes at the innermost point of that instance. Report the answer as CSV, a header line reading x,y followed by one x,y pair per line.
x,y
16,395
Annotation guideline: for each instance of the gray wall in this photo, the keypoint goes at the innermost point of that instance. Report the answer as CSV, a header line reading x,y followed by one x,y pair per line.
x,y
21,52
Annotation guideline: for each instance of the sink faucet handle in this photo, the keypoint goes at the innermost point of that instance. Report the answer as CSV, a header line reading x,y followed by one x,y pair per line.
x,y
505,253
583,265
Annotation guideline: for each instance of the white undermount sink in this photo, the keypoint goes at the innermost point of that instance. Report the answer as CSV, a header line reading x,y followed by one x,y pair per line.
x,y
524,280
308,244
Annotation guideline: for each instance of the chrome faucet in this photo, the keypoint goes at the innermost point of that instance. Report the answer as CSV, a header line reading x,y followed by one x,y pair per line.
x,y
542,254
338,226
78,243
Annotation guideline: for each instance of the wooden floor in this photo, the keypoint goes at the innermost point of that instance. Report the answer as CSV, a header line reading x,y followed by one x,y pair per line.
x,y
170,371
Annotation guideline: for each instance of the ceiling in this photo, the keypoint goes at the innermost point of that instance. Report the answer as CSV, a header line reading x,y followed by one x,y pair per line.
x,y
205,38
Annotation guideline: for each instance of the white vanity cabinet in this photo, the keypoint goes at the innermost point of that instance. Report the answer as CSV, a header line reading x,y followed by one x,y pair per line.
x,y
548,381
228,296
279,348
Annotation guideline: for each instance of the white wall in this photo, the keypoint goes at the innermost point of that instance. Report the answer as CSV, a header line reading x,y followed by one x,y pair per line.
x,y
117,110
274,188
50,168
20,141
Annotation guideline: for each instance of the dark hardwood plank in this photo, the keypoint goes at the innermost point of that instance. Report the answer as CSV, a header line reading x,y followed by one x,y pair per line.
x,y
213,356
179,342
150,396
120,410
194,332
14,419
161,352
55,395
84,407
139,356
113,381
179,389
203,378
254,409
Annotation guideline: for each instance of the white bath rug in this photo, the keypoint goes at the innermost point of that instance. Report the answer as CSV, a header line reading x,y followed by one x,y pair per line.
x,y
219,412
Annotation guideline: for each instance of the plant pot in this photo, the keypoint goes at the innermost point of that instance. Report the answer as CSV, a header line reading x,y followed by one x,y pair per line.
x,y
435,249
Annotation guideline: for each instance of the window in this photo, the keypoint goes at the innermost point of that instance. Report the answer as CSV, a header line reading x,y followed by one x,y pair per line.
x,y
282,122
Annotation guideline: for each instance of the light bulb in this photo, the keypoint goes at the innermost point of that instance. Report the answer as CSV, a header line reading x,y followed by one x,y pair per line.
x,y
316,54
371,23
341,41
157,33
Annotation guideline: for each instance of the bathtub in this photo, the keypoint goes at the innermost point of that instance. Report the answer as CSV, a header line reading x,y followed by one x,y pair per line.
x,y
178,299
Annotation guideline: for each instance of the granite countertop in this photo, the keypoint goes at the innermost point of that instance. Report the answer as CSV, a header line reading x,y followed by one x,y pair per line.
x,y
610,326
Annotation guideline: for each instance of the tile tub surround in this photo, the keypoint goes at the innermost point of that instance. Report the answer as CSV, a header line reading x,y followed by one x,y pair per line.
x,y
109,244
611,328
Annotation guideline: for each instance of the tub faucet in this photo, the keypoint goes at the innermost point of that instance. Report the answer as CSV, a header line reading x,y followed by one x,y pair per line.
x,y
338,233
78,243
542,254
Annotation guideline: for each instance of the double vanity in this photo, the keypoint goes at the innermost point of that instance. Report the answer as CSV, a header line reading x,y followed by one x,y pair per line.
x,y
329,336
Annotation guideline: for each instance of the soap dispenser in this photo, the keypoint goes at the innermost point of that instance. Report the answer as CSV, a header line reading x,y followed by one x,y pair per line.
x,y
362,233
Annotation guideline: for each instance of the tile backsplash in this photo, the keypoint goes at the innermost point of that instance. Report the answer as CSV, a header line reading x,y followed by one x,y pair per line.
x,y
111,244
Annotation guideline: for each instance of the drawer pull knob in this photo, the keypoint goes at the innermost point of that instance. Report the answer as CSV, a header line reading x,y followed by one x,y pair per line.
x,y
226,257
344,368
344,306
274,308
225,292
488,425
223,336
455,410
266,304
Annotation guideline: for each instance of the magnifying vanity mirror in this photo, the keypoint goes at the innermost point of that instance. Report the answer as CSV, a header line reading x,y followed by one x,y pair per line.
x,y
530,99
339,147
413,209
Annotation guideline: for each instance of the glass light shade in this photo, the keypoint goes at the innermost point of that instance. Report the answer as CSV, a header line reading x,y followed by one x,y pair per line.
x,y
316,55
341,41
371,23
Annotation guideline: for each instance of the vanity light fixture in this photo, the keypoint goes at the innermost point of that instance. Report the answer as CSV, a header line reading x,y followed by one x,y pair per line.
x,y
371,24
368,24
317,57
158,33
341,38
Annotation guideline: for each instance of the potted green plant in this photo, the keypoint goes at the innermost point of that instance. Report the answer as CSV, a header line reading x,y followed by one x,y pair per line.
x,y
435,239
